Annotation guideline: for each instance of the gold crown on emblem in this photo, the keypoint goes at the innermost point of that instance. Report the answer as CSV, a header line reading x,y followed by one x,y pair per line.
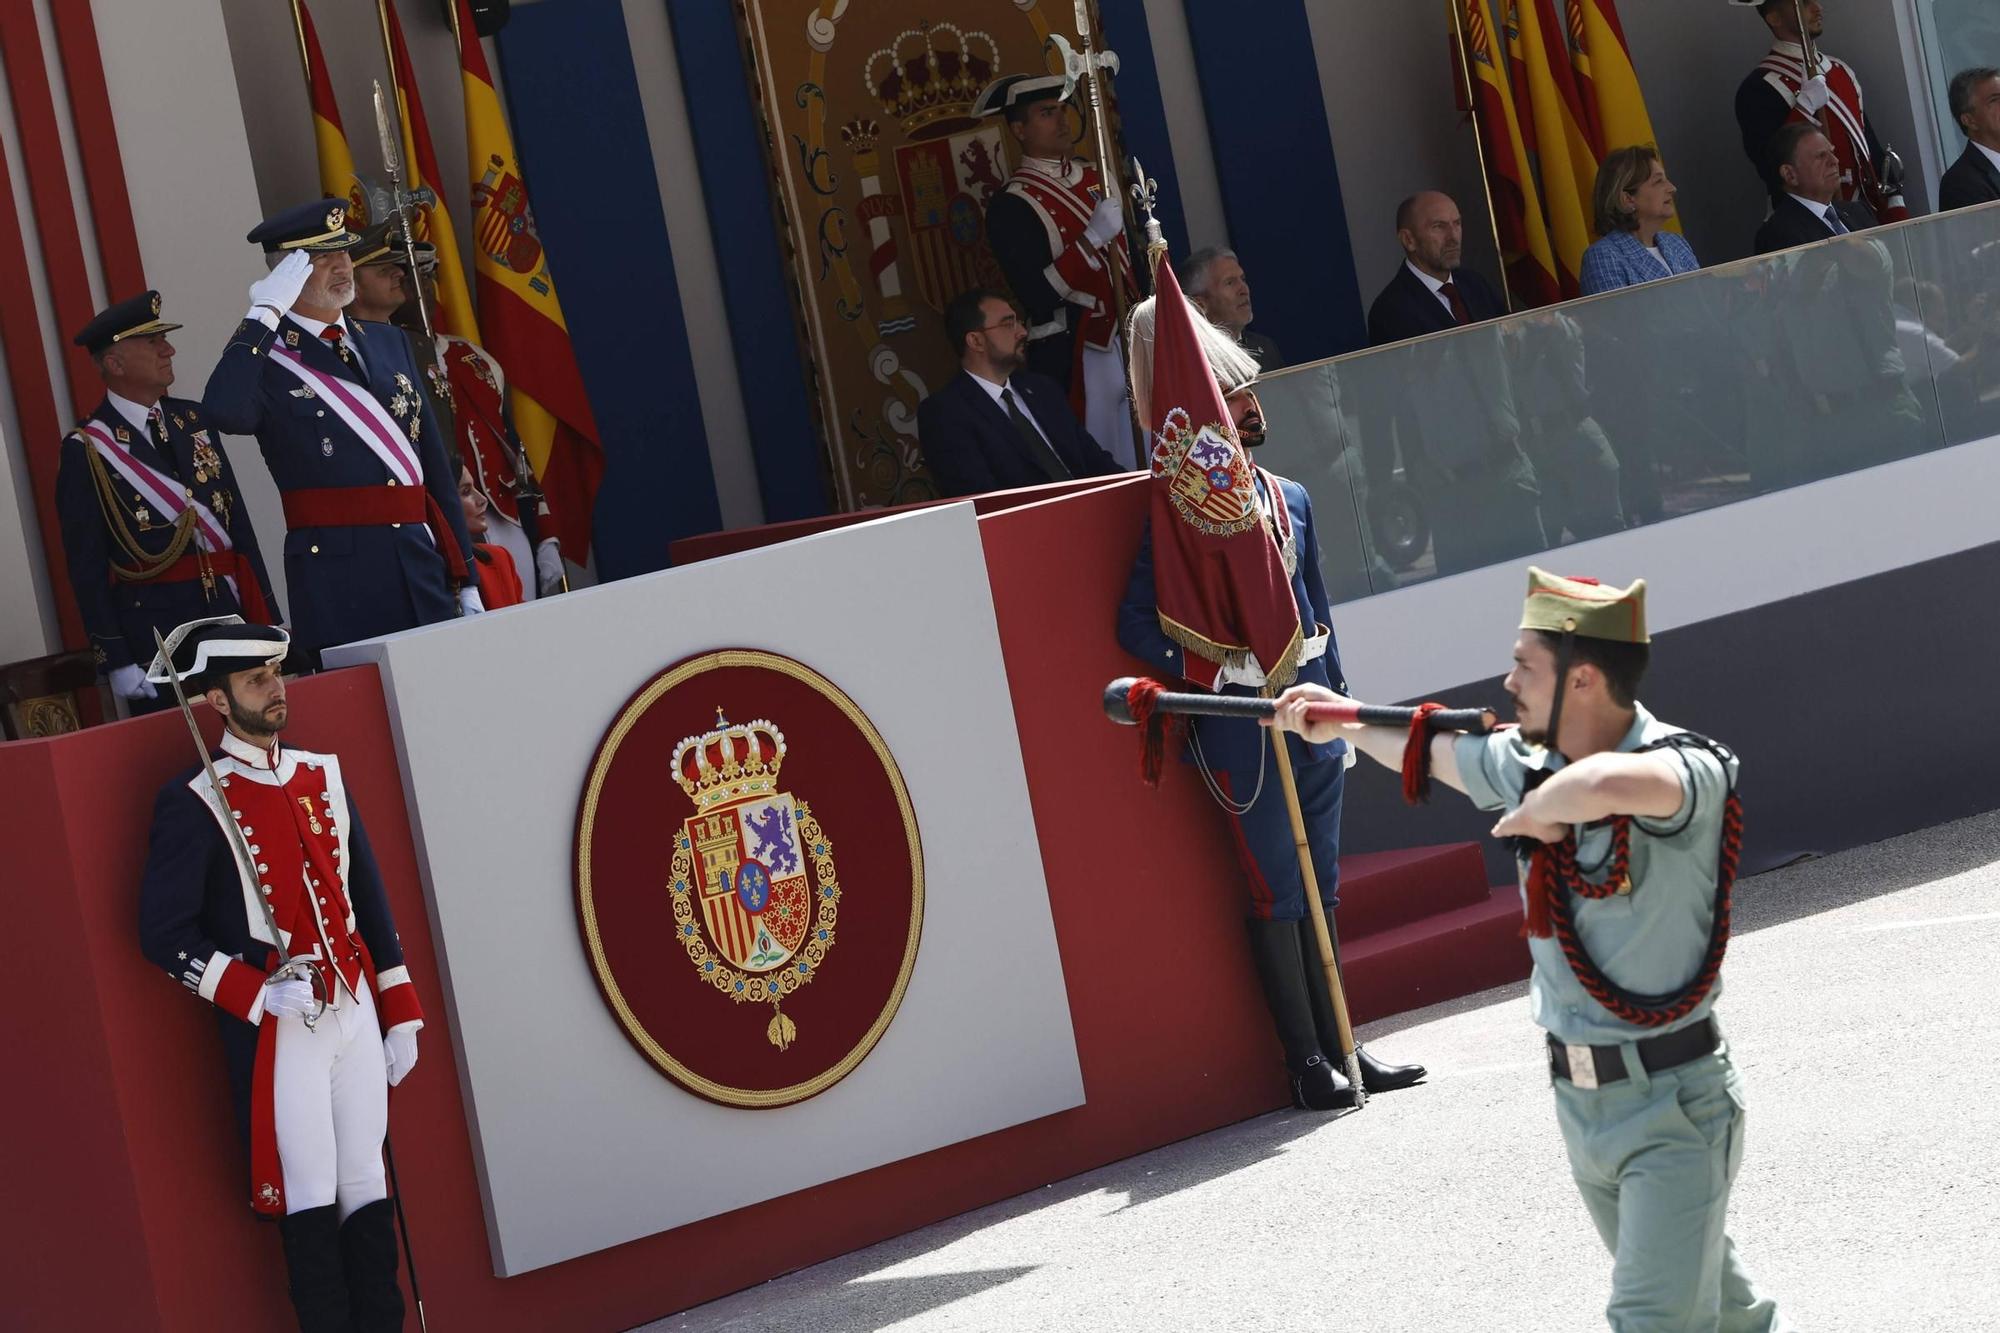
x,y
861,134
336,218
156,305
921,84
729,763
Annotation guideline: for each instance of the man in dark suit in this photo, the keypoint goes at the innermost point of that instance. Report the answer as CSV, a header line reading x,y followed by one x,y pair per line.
x,y
1448,405
376,539
1806,194
1975,105
996,425
1430,292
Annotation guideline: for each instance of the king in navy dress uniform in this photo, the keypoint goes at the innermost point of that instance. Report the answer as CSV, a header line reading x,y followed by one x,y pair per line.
x,y
314,1044
375,541
154,530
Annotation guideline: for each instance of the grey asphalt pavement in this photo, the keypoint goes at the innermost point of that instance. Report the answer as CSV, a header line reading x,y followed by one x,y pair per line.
x,y
1860,1004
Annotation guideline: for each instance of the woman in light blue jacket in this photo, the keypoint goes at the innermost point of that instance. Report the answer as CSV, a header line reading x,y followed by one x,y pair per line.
x,y
1634,201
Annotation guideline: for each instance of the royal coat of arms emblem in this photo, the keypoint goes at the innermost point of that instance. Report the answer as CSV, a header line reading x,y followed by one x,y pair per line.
x,y
751,1004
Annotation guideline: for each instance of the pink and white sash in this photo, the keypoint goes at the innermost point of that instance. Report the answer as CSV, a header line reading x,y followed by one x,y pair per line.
x,y
365,416
159,490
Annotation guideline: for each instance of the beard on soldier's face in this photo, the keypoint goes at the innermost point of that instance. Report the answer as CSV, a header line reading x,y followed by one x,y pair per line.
x,y
1251,431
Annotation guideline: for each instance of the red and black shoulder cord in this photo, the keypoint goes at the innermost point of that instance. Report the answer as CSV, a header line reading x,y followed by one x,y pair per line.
x,y
1554,881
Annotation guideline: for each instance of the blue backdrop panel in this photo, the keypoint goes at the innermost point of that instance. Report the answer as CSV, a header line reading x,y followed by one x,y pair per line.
x,y
1274,158
736,184
597,202
1142,112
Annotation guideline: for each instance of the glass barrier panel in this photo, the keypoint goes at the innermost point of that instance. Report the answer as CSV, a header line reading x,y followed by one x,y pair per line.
x,y
1505,440
1948,318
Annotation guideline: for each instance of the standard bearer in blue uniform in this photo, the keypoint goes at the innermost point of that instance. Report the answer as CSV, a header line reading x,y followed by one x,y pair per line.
x,y
1628,830
1234,756
375,541
154,531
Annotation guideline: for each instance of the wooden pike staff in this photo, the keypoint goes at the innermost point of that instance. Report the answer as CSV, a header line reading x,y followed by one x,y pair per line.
x,y
1136,701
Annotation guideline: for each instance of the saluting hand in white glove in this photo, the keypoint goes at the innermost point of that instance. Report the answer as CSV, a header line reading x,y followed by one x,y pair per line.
x,y
469,603
129,682
279,288
1106,221
399,1053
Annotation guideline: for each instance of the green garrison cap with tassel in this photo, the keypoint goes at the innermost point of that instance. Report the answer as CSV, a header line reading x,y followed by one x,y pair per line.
x,y
1585,607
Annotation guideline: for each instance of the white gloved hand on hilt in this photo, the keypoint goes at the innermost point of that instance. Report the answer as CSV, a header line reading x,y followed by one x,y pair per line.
x,y
549,565
1814,95
399,1053
469,603
129,682
278,289
1106,221
290,998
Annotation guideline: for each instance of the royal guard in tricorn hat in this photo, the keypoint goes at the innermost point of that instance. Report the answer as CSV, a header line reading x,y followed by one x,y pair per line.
x,y
1226,593
155,531
1628,830
261,896
1059,238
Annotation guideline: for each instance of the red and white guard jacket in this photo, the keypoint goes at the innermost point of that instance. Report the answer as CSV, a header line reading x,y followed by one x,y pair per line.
x,y
1036,228
1768,100
199,917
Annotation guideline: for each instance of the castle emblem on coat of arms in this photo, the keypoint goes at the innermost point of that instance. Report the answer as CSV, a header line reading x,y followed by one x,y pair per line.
x,y
755,894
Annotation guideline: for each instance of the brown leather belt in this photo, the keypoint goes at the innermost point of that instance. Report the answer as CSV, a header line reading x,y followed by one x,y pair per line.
x,y
1594,1066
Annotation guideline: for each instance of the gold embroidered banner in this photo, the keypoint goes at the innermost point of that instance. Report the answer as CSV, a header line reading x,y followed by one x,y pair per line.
x,y
882,177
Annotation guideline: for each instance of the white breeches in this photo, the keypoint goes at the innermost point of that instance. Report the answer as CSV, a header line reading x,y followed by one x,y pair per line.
x,y
1107,404
330,1094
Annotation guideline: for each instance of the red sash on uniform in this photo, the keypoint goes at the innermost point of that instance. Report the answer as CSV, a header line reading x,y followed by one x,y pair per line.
x,y
375,507
1843,120
227,564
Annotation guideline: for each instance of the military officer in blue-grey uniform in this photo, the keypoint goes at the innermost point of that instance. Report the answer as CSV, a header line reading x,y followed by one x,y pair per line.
x,y
1630,828
154,530
375,540
1235,759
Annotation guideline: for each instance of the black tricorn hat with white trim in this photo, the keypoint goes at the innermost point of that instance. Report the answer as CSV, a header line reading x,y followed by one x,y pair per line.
x,y
203,650
1017,90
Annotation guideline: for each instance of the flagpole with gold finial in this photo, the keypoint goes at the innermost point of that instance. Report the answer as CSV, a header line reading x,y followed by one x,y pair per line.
x,y
1479,145
299,31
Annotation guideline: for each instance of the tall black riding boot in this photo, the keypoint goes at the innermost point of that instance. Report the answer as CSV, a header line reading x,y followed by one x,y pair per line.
x,y
368,1250
1316,1085
1375,1076
312,1260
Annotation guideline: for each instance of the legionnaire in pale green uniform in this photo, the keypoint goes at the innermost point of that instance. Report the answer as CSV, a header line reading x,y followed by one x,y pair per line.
x,y
1630,830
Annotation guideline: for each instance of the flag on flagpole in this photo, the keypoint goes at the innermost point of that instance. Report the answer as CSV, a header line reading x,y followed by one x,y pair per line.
x,y
336,160
1563,165
1528,253
519,312
1219,577
454,313
1620,105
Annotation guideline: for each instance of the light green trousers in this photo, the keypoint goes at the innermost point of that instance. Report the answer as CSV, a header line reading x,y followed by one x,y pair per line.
x,y
1654,1156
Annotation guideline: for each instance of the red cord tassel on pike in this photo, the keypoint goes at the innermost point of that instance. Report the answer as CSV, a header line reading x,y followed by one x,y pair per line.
x,y
1417,756
1157,728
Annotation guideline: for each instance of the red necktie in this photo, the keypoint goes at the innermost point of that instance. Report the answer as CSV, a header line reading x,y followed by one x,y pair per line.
x,y
331,336
1449,291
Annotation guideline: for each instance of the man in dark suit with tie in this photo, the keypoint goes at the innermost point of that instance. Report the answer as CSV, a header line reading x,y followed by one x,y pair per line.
x,y
1975,105
375,537
1448,405
1806,199
996,425
1430,292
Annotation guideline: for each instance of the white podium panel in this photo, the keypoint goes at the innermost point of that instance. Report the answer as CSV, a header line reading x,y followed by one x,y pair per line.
x,y
580,1142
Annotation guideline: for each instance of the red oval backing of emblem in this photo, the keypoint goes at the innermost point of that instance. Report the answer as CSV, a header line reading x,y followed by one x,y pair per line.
x,y
762,995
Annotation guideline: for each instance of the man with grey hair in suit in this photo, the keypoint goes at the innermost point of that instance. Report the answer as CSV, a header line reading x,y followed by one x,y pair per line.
x,y
1212,278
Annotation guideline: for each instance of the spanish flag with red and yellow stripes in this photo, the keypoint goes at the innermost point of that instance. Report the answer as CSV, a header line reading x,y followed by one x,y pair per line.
x,y
519,313
1554,91
336,160
454,313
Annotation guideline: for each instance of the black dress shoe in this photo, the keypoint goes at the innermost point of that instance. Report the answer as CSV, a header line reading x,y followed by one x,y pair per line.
x,y
1320,1087
1378,1077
